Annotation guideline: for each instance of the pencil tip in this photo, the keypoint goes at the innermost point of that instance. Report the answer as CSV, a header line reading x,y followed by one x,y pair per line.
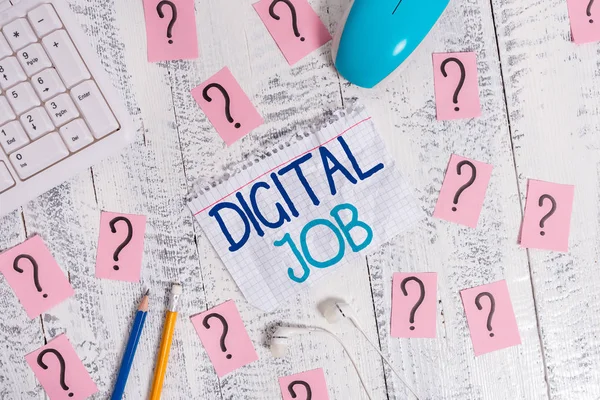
x,y
144,303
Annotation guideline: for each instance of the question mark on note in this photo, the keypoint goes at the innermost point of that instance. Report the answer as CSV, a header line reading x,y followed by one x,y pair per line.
x,y
466,185
492,309
161,14
294,16
461,82
225,330
421,296
589,10
302,383
113,229
549,213
61,361
34,265
225,96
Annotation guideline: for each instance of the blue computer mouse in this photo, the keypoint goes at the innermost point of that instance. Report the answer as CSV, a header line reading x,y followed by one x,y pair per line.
x,y
378,35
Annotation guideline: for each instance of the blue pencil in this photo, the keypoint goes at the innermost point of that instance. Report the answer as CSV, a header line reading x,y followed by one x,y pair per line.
x,y
134,338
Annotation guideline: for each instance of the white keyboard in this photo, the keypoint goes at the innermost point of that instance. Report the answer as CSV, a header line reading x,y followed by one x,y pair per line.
x,y
59,114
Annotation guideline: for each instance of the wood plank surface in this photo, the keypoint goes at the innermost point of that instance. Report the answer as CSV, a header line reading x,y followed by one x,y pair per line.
x,y
552,88
404,109
539,118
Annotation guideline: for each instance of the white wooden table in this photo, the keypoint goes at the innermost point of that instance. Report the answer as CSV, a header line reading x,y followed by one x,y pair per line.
x,y
540,119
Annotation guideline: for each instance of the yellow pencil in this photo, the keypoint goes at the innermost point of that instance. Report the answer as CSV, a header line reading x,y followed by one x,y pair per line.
x,y
165,344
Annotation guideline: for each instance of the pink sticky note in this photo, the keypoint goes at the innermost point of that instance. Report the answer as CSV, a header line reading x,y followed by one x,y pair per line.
x,y
453,101
547,218
34,275
226,105
490,317
224,337
294,25
172,37
585,24
60,371
463,191
414,302
305,385
120,246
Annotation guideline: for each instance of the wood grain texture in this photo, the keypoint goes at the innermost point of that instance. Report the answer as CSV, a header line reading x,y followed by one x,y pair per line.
x,y
539,118
286,98
550,83
18,334
405,112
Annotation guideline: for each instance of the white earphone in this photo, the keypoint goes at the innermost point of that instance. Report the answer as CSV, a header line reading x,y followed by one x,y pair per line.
x,y
282,337
334,311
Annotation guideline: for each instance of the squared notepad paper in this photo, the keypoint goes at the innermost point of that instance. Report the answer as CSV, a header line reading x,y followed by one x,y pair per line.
x,y
307,209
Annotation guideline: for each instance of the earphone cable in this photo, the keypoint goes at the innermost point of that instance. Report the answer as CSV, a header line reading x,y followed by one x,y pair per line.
x,y
383,357
362,381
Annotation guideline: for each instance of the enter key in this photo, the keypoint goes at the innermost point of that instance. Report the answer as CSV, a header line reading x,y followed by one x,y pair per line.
x,y
94,108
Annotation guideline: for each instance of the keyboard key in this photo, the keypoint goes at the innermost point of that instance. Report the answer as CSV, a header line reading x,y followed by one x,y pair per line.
x,y
65,57
5,49
97,114
12,137
44,19
6,180
38,155
61,109
33,58
22,97
11,72
76,135
47,84
6,112
36,123
5,5
19,33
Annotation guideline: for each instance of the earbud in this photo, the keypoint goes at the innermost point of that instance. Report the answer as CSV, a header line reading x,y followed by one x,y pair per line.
x,y
278,350
335,310
281,339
